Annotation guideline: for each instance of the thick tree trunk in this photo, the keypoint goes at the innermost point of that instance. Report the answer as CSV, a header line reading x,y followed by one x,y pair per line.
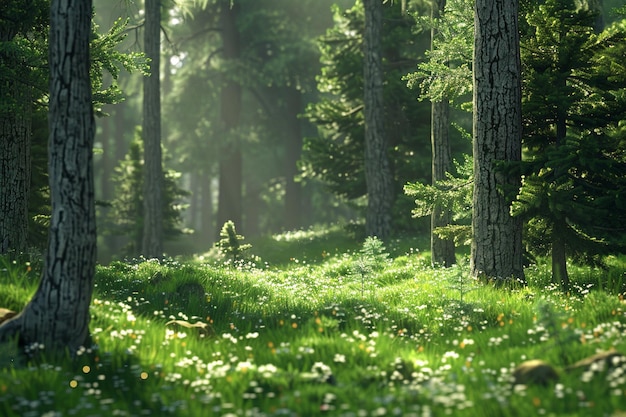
x,y
293,189
442,250
378,176
496,236
58,314
152,244
229,205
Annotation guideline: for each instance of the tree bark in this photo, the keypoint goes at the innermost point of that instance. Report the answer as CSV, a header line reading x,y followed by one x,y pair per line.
x,y
378,176
152,244
15,164
58,314
496,235
15,176
442,250
229,206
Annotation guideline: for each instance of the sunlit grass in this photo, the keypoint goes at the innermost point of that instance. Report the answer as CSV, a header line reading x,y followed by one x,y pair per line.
x,y
303,334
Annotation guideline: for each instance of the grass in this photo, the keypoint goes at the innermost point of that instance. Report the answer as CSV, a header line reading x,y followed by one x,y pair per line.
x,y
297,332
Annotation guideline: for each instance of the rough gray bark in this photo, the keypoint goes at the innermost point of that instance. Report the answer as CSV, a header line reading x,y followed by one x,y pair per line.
x,y
496,236
442,250
229,205
378,176
152,244
58,314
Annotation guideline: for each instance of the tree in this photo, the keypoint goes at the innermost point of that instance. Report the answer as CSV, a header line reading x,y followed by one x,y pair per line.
x,y
127,208
58,314
445,79
496,251
152,245
442,250
22,27
378,176
573,194
335,155
229,206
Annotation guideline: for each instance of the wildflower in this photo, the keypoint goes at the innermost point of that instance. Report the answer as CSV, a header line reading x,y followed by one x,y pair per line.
x,y
267,370
450,354
244,366
339,358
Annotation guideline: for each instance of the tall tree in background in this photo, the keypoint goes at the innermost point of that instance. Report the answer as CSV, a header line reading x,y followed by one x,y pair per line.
x,y
335,155
442,249
293,150
18,76
378,176
152,246
229,206
58,314
496,236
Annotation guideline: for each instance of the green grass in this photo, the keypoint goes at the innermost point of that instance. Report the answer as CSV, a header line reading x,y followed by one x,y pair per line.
x,y
299,332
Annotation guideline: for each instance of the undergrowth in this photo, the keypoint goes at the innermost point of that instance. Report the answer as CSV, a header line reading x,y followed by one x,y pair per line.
x,y
302,333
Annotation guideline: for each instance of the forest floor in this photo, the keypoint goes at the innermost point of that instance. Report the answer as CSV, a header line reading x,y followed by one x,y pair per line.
x,y
319,323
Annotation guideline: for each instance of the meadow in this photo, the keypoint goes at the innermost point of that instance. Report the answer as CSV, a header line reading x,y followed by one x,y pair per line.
x,y
319,323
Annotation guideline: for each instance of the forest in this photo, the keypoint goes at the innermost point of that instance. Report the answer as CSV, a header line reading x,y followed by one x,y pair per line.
x,y
313,207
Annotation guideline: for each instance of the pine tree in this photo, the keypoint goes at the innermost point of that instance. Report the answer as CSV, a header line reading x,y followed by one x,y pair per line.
x,y
127,208
230,243
574,104
336,155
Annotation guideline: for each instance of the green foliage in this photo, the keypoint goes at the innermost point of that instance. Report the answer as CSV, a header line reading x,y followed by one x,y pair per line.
x,y
453,194
107,59
447,72
371,260
336,155
574,104
230,243
461,280
126,214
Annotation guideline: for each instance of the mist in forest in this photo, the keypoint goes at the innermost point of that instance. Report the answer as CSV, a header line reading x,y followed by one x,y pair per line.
x,y
232,99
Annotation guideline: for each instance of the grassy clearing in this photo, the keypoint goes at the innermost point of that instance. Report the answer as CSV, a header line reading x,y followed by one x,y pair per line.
x,y
300,331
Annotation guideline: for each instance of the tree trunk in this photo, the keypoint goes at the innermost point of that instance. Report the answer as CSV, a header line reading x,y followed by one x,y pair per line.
x,y
58,314
293,189
496,236
206,210
15,136
15,164
152,244
442,250
378,176
229,205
